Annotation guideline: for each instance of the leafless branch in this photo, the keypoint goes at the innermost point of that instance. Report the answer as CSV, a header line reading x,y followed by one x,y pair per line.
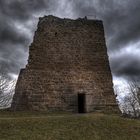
x,y
7,87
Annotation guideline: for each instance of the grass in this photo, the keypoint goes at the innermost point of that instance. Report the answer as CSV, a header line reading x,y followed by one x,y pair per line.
x,y
66,126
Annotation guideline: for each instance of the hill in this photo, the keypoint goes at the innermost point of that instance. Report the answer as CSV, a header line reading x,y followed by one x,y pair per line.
x,y
64,126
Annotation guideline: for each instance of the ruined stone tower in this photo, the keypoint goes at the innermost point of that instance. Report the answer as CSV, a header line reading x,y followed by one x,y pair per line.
x,y
67,69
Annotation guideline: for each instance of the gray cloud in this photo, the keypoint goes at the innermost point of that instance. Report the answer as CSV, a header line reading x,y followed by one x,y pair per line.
x,y
18,19
127,65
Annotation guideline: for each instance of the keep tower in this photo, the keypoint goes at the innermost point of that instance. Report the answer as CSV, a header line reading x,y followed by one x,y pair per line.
x,y
68,68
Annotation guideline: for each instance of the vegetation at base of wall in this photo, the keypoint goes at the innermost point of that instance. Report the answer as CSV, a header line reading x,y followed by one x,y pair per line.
x,y
66,126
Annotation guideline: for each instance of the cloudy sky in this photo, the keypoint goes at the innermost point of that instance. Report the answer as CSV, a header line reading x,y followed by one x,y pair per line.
x,y
18,20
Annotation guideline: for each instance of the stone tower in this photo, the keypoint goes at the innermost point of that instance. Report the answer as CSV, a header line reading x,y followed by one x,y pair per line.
x,y
67,69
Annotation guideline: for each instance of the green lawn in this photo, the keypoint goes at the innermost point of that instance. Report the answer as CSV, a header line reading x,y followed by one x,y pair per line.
x,y
66,126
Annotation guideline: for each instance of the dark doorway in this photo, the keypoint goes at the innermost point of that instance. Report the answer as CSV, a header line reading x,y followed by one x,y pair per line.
x,y
81,103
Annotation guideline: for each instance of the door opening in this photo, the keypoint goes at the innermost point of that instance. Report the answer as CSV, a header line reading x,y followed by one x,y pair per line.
x,y
81,103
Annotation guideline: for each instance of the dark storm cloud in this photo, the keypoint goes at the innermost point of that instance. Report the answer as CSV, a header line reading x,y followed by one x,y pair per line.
x,y
21,9
10,34
127,65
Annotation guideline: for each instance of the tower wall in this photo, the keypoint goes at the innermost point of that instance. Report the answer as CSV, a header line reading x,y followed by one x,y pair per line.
x,y
67,58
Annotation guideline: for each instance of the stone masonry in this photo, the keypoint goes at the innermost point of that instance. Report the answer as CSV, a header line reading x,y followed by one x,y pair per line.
x,y
67,58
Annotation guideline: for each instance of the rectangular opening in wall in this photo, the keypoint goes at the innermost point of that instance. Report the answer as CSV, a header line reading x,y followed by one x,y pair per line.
x,y
81,103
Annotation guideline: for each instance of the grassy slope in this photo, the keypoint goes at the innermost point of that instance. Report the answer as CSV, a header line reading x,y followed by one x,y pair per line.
x,y
59,126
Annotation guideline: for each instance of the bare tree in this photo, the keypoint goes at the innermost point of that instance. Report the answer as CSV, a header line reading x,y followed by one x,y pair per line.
x,y
129,106
134,88
131,101
7,87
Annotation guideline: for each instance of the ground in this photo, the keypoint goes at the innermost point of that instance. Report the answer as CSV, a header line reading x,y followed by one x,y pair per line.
x,y
66,126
